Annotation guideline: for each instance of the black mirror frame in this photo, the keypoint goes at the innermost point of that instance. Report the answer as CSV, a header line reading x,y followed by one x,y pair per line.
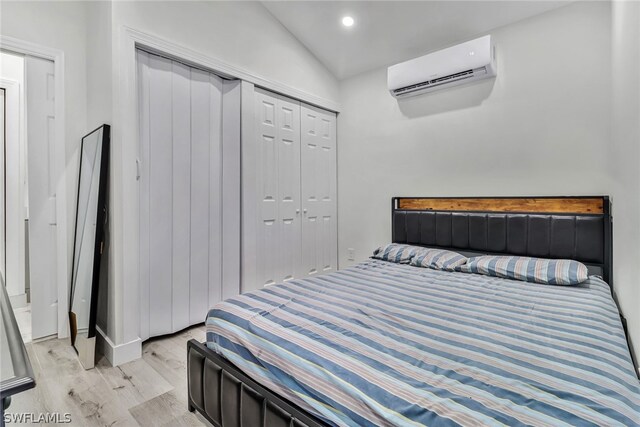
x,y
99,238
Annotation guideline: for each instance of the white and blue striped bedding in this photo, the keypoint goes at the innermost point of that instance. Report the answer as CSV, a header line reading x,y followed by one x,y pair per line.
x,y
383,344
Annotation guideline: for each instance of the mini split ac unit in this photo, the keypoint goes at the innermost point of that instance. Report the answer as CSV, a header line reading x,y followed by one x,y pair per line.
x,y
463,63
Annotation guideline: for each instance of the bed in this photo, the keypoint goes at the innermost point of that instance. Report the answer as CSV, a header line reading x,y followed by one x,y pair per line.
x,y
382,343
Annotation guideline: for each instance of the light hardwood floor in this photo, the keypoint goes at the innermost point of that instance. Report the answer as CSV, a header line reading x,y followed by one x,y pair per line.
x,y
151,391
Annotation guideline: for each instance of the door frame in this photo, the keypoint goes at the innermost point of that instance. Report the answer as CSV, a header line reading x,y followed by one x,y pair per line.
x,y
62,239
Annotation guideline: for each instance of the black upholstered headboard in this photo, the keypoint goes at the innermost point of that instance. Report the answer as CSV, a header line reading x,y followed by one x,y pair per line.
x,y
576,228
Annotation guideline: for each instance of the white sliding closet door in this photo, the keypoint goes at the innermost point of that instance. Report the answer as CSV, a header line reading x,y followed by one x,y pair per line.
x,y
180,185
319,208
278,154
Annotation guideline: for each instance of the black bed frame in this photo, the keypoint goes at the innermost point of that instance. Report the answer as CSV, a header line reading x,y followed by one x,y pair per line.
x,y
227,397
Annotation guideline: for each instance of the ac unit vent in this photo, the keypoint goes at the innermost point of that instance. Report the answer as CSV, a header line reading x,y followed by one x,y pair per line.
x,y
453,76
468,61
431,83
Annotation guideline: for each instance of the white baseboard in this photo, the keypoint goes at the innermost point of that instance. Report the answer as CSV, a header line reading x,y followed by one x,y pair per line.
x,y
18,301
118,354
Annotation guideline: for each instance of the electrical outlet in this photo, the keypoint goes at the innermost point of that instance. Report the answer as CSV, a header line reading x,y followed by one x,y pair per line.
x,y
351,254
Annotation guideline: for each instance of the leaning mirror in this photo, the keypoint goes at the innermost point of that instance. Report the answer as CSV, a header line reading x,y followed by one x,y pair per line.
x,y
88,242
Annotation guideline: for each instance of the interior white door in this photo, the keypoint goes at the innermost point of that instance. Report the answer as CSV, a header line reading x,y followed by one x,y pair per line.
x,y
180,167
40,91
278,182
319,207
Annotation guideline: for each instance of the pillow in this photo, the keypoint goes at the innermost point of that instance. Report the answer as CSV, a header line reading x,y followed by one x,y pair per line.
x,y
395,252
537,270
438,259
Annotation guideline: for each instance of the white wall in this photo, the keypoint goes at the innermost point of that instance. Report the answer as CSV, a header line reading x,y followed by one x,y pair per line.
x,y
534,130
624,160
243,34
543,127
99,111
98,35
12,67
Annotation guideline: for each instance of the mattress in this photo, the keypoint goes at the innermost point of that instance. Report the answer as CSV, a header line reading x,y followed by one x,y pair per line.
x,y
389,344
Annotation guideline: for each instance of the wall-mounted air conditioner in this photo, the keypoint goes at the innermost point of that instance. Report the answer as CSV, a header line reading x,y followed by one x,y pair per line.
x,y
463,63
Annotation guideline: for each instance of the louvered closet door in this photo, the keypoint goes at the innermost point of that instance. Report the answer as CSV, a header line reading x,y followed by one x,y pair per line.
x,y
319,207
278,188
180,194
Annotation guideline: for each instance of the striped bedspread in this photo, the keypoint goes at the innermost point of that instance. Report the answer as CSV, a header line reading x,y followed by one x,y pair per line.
x,y
384,344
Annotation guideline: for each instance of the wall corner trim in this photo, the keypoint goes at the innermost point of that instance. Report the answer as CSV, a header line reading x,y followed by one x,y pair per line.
x,y
117,354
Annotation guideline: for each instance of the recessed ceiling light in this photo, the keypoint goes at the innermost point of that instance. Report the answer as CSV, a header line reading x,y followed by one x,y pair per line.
x,y
348,21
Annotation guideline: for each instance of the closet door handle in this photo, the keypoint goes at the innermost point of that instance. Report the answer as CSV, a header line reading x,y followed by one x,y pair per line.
x,y
138,169
304,211
297,211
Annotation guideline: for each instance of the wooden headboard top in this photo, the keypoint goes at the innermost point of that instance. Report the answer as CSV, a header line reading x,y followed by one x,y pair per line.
x,y
562,205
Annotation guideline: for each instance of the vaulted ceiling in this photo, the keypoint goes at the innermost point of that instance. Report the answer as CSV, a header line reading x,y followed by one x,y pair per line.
x,y
386,32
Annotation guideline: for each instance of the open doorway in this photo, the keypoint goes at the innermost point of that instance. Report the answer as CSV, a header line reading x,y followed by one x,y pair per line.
x,y
14,216
28,255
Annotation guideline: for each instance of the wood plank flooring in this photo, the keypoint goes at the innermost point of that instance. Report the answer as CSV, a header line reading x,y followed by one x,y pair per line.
x,y
151,391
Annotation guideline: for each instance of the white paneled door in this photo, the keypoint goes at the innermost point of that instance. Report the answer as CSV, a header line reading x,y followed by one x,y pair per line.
x,y
40,91
319,208
278,147
295,152
180,184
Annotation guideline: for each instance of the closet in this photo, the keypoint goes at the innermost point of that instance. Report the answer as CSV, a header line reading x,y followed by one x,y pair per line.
x,y
185,171
190,163
294,192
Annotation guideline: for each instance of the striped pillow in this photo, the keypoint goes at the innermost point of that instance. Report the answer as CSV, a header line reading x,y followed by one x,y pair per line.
x,y
395,252
438,259
537,270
